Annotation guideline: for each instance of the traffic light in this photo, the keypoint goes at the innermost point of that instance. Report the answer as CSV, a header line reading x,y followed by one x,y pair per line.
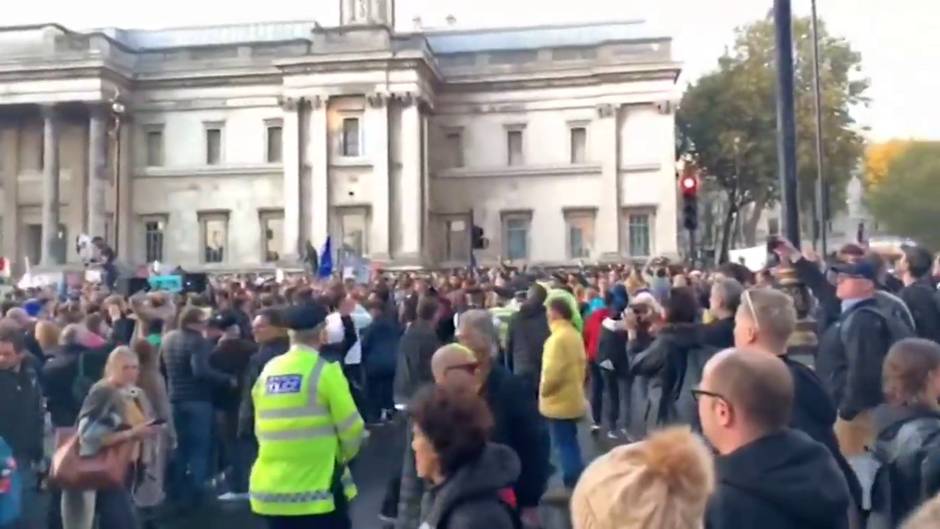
x,y
478,241
689,186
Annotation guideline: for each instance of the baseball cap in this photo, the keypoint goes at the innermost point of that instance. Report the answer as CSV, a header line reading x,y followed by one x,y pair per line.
x,y
304,317
863,268
222,320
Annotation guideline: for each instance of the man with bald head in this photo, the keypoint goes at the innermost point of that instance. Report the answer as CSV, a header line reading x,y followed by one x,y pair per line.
x,y
456,366
768,475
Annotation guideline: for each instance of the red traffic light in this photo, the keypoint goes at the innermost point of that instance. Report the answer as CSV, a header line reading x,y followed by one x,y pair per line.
x,y
688,184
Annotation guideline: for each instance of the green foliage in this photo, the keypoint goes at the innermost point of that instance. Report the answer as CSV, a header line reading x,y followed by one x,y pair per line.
x,y
906,200
730,115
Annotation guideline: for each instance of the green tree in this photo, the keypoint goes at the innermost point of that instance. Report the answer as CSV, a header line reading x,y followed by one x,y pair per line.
x,y
906,200
727,120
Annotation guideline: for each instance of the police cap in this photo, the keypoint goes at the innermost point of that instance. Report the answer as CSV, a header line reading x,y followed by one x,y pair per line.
x,y
304,317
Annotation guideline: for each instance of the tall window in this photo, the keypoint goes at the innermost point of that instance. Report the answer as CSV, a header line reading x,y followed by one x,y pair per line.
x,y
351,138
273,145
214,237
154,229
154,147
454,141
580,227
514,147
578,145
213,146
456,240
272,235
516,236
639,235
354,231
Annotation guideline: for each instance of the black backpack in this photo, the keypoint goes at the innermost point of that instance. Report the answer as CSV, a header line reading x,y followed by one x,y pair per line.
x,y
897,329
909,469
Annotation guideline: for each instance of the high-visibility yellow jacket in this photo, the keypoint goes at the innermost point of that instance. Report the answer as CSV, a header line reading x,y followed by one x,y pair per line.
x,y
308,429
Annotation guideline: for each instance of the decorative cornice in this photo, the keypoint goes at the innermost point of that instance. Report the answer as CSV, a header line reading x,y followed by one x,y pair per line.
x,y
525,170
605,110
377,99
406,98
650,167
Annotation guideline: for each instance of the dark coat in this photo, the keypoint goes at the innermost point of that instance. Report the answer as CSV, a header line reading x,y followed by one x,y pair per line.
x,y
908,449
719,333
58,379
921,298
189,375
528,330
815,415
415,350
380,347
518,425
851,371
21,413
122,331
469,499
674,364
246,411
232,358
781,481
612,346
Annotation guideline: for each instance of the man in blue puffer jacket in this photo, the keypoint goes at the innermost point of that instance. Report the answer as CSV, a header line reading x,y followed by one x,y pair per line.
x,y
10,487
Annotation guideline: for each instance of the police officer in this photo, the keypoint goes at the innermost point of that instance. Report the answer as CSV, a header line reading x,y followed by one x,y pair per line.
x,y
308,430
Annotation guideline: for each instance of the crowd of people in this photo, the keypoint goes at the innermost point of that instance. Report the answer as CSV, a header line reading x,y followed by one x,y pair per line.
x,y
715,414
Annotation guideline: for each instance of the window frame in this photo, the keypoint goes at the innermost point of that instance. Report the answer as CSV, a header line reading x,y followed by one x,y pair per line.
x,y
449,256
573,213
264,216
162,218
506,217
572,127
155,128
360,137
456,157
204,218
340,212
273,123
510,129
210,126
650,213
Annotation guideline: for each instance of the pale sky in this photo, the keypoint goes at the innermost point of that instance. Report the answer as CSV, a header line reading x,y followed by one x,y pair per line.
x,y
899,39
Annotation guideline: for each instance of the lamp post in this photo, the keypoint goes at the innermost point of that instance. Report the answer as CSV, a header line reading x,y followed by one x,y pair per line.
x,y
117,112
821,208
786,121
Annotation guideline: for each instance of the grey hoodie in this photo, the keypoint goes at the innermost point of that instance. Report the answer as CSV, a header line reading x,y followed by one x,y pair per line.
x,y
470,498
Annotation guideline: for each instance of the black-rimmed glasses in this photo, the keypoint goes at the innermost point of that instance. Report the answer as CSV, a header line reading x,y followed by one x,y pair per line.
x,y
699,393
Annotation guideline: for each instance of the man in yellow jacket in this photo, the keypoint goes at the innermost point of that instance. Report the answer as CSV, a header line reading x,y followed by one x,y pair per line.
x,y
308,431
561,393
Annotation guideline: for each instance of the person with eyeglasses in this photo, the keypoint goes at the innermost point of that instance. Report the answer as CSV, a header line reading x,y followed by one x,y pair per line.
x,y
768,475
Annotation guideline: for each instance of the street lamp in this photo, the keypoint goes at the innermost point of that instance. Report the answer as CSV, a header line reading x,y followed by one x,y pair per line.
x,y
820,193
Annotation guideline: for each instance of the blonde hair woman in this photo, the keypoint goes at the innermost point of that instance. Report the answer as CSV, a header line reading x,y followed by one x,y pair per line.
x,y
47,335
113,412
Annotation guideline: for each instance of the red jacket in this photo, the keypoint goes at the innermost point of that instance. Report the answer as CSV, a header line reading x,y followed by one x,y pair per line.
x,y
592,332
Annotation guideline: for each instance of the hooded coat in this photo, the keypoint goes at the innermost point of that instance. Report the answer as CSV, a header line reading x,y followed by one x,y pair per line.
x,y
784,480
528,330
470,498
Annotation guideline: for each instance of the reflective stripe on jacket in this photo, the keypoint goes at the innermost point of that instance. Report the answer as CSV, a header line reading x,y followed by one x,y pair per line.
x,y
307,427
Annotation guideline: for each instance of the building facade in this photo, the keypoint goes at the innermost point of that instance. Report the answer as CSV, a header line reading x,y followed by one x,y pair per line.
x,y
231,147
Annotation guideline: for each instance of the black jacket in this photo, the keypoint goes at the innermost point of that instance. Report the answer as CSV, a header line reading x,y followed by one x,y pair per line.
x,y
921,298
851,371
58,378
518,424
469,499
21,413
815,415
781,481
415,350
246,411
719,333
189,375
908,450
122,331
380,347
674,364
528,330
612,346
231,356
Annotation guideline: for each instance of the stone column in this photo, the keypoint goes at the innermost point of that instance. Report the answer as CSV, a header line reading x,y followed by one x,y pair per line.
x,y
50,188
9,167
376,136
97,170
319,159
122,163
608,220
410,192
292,162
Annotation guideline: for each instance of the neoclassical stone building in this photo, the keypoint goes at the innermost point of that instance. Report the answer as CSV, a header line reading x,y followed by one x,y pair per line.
x,y
229,147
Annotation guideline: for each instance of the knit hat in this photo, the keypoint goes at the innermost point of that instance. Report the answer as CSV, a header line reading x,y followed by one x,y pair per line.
x,y
661,483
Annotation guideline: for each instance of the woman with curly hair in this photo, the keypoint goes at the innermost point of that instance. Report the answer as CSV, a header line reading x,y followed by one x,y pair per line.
x,y
470,479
